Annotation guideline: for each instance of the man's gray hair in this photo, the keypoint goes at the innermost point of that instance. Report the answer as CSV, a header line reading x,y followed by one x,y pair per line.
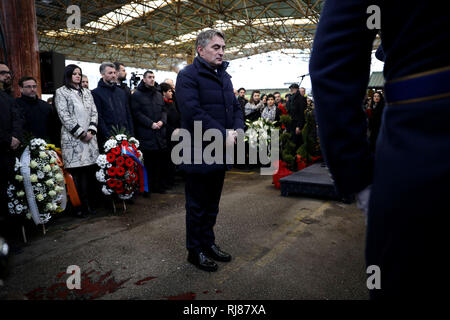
x,y
106,64
206,36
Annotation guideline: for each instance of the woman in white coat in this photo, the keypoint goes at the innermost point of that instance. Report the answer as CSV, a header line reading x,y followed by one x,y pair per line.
x,y
78,114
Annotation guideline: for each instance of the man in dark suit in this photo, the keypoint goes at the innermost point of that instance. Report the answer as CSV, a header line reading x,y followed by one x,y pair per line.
x,y
296,110
205,94
41,119
150,117
406,183
112,105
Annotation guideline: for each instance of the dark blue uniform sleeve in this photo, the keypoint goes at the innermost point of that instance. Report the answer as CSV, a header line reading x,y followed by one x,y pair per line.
x,y
339,69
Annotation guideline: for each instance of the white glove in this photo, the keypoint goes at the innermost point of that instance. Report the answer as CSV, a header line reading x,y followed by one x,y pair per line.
x,y
362,200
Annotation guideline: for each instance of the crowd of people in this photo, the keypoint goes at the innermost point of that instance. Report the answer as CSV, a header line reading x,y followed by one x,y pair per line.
x,y
272,106
80,121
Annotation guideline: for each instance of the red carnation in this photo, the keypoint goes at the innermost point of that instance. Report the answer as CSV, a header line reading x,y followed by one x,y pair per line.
x,y
110,157
120,161
120,190
125,143
111,183
120,171
129,162
131,170
112,171
116,151
119,184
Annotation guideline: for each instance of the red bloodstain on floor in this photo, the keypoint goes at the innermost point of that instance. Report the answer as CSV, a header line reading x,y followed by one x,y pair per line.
x,y
184,296
141,282
91,288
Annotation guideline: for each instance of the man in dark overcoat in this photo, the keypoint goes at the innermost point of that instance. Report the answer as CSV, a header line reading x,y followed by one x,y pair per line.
x,y
205,94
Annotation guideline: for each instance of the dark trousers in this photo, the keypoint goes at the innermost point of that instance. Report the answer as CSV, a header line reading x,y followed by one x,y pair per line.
x,y
170,167
203,193
86,184
408,221
9,224
155,162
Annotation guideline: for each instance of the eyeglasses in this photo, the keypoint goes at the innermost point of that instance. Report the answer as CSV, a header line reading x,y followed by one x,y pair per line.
x,y
30,87
5,72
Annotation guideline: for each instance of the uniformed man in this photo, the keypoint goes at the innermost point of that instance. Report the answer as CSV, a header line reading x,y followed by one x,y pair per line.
x,y
407,184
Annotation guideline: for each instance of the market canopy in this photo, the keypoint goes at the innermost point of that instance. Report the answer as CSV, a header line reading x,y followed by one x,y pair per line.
x,y
160,34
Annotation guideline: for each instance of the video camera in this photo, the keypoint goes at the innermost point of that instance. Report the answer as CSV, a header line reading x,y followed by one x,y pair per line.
x,y
134,80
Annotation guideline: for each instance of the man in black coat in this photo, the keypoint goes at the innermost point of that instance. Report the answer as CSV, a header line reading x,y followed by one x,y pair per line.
x,y
112,105
150,117
5,78
297,106
11,124
403,187
122,78
242,100
205,94
41,119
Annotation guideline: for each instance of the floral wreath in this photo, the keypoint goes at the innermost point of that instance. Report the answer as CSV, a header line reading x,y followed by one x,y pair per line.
x,y
38,188
121,169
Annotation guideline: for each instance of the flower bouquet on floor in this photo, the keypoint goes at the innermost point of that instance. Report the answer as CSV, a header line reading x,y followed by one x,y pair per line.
x,y
121,170
37,190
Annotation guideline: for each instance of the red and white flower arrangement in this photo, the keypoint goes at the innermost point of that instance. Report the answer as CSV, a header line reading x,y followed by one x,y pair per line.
x,y
121,170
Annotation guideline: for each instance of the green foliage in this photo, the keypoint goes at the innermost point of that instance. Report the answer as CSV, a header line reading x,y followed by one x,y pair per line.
x,y
122,130
286,119
310,147
288,150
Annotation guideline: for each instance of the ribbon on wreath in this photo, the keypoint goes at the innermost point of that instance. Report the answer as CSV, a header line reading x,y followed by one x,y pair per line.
x,y
70,184
56,153
143,181
31,200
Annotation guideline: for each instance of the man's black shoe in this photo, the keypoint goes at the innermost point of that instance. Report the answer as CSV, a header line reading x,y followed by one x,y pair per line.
x,y
217,254
201,261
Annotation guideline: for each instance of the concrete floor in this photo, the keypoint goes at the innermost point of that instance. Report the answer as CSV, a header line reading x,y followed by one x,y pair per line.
x,y
283,248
